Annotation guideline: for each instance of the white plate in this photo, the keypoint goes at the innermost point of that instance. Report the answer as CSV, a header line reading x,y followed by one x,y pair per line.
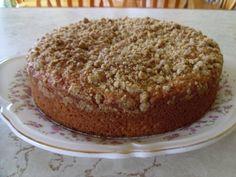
x,y
28,123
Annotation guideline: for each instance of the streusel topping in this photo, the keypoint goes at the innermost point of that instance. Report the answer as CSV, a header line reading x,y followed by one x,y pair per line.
x,y
127,61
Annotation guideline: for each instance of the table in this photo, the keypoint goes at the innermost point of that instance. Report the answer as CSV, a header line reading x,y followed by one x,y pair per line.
x,y
19,29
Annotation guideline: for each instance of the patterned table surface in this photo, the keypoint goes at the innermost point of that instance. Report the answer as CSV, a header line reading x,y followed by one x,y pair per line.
x,y
19,29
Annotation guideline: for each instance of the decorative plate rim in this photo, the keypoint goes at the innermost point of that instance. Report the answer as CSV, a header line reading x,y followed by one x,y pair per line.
x,y
129,152
116,155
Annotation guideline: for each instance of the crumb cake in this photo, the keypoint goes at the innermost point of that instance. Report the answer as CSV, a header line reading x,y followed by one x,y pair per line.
x,y
124,77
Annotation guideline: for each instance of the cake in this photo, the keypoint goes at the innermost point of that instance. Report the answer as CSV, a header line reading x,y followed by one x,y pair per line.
x,y
124,77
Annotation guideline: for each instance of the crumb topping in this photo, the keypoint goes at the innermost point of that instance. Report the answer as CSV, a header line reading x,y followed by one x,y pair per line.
x,y
126,61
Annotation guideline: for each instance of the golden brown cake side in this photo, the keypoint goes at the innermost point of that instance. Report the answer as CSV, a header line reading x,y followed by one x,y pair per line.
x,y
163,116
124,77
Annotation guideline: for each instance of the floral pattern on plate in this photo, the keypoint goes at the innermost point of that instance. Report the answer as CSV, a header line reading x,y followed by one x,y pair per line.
x,y
20,96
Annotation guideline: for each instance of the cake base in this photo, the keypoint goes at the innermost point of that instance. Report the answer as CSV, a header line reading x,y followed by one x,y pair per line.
x,y
161,118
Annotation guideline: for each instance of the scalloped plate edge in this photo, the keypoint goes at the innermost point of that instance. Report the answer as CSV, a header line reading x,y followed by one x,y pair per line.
x,y
116,155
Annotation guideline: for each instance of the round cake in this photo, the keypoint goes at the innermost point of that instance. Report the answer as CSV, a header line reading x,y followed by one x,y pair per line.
x,y
124,77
